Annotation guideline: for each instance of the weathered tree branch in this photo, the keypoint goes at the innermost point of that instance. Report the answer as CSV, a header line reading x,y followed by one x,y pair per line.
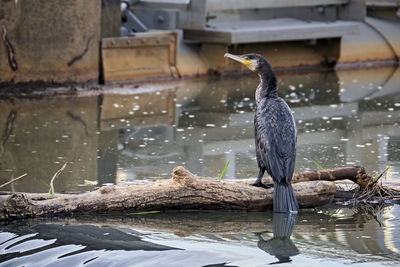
x,y
13,180
355,174
183,191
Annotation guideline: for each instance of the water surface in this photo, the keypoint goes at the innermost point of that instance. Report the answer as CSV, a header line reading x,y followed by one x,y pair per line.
x,y
333,237
130,134
127,135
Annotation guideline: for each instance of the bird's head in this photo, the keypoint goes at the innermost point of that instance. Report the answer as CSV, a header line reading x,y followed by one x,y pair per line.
x,y
254,62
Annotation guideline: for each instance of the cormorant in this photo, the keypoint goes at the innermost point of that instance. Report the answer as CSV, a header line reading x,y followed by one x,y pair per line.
x,y
275,133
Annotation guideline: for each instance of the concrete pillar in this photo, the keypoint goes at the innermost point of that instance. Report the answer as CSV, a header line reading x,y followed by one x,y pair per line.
x,y
110,18
49,41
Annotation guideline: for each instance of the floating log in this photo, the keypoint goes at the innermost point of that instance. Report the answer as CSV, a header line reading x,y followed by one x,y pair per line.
x,y
183,191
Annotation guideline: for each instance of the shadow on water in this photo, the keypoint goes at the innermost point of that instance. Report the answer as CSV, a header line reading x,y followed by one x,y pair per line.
x,y
86,238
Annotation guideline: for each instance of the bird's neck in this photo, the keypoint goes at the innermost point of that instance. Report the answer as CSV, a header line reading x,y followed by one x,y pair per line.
x,y
267,87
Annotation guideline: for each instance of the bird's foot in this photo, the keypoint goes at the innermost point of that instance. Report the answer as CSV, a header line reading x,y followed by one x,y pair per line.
x,y
260,184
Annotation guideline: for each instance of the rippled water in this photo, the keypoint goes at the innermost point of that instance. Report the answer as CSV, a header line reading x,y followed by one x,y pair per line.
x,y
332,237
131,134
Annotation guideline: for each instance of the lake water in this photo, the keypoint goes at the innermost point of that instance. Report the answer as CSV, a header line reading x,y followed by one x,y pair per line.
x,y
329,237
131,134
128,135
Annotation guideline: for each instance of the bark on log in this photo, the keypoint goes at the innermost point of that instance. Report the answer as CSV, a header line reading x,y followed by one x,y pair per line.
x,y
355,174
183,191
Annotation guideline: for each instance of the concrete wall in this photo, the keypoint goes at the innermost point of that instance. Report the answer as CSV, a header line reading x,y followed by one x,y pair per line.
x,y
50,41
110,18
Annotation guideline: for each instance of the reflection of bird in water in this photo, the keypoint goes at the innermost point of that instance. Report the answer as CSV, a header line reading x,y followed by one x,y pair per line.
x,y
275,134
280,245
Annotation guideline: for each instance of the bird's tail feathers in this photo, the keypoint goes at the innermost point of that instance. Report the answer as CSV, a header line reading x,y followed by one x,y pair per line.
x,y
284,198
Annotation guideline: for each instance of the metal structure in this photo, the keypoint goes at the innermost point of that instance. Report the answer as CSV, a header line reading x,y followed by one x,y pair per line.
x,y
142,15
149,54
246,21
291,33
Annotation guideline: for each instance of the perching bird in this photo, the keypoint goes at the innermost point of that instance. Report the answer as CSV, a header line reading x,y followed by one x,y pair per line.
x,y
275,134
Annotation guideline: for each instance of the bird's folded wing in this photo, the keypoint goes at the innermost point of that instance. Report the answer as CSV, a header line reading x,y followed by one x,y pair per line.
x,y
276,138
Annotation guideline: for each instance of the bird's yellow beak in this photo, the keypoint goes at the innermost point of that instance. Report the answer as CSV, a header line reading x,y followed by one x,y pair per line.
x,y
238,59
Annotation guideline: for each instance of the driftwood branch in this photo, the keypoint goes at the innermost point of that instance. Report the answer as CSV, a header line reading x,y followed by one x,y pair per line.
x,y
52,191
355,174
13,180
183,191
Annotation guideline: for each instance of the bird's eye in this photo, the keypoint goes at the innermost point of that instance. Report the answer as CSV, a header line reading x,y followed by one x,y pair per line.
x,y
246,58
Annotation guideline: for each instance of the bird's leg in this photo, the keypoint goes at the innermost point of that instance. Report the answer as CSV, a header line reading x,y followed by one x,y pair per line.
x,y
259,178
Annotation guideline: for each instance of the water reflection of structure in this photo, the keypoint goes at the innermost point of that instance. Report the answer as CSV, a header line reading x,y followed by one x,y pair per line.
x,y
344,117
368,233
214,124
280,246
331,234
47,132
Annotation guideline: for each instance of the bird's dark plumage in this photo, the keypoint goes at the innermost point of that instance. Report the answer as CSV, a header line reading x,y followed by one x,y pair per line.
x,y
275,134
